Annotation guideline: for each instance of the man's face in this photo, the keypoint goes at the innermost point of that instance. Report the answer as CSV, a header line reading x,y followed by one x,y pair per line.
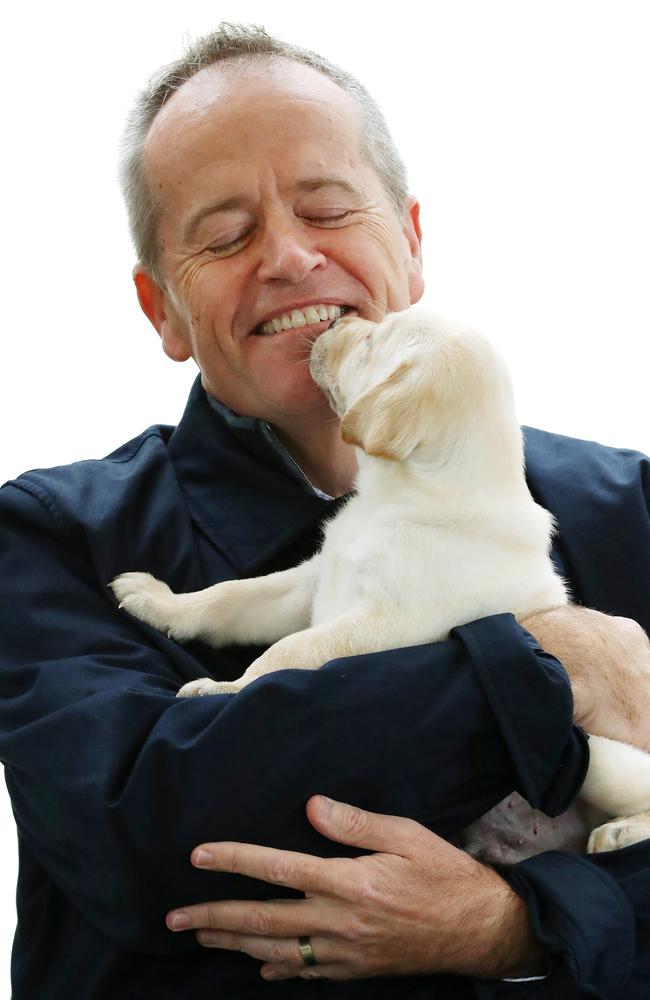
x,y
268,206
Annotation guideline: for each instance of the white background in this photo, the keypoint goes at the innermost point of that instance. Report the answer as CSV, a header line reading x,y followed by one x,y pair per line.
x,y
525,129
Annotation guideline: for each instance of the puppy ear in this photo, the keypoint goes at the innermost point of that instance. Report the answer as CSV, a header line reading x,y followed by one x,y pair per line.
x,y
384,421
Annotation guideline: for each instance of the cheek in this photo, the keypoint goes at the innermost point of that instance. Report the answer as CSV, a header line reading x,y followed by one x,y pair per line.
x,y
209,309
210,293
375,260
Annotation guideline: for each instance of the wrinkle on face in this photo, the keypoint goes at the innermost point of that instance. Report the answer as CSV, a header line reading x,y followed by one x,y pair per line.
x,y
254,138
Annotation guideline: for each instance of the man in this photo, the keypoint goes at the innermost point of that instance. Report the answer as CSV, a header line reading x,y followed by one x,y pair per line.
x,y
260,189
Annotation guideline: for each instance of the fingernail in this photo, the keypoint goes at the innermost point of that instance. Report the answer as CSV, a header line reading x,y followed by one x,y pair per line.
x,y
202,857
326,805
179,921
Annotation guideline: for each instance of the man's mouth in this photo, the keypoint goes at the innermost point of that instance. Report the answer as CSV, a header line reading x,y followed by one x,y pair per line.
x,y
302,318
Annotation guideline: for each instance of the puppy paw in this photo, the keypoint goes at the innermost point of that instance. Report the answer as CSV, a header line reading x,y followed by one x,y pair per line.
x,y
205,686
152,601
618,833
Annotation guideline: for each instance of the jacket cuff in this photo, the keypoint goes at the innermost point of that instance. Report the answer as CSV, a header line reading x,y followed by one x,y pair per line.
x,y
581,917
529,692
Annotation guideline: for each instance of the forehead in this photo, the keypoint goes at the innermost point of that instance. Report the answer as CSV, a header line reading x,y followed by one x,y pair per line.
x,y
229,120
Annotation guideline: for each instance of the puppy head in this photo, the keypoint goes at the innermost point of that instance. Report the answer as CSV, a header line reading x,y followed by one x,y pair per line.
x,y
413,380
372,375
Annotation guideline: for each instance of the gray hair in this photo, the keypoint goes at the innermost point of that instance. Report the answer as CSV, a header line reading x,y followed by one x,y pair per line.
x,y
244,43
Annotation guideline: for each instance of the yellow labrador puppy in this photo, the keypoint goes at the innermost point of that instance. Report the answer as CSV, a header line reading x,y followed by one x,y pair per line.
x,y
442,530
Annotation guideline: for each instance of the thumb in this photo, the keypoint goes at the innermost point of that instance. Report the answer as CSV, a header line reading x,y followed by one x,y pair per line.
x,y
349,824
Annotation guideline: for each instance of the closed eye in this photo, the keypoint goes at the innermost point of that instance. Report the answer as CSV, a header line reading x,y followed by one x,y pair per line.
x,y
328,218
226,248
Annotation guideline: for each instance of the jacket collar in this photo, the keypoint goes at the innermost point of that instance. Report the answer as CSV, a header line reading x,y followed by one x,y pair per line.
x,y
248,496
242,488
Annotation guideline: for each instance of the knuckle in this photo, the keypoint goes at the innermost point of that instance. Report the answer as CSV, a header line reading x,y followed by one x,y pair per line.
x,y
312,974
278,953
278,871
260,921
231,857
367,893
356,930
354,820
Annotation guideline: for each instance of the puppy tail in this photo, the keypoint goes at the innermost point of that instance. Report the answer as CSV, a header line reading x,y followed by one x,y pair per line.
x,y
618,779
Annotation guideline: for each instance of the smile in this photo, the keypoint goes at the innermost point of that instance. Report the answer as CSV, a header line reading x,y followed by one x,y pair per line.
x,y
301,317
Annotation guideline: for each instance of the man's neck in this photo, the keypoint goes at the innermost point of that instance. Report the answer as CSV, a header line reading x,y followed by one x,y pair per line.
x,y
325,459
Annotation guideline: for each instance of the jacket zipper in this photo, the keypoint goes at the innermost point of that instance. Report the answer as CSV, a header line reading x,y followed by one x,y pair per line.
x,y
293,461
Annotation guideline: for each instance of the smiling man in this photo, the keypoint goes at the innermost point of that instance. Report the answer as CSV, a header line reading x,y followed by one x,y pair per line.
x,y
271,213
265,197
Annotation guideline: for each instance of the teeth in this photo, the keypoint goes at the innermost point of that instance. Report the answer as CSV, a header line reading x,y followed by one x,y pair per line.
x,y
297,318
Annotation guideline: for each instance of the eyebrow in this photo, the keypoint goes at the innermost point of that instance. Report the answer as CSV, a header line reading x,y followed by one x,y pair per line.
x,y
240,201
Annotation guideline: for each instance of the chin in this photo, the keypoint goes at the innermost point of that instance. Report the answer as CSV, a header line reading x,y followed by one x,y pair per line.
x,y
301,401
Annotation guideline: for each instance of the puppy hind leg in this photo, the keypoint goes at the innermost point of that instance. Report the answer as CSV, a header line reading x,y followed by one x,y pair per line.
x,y
620,832
618,778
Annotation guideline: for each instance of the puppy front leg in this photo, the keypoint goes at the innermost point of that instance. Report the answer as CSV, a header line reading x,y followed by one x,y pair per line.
x,y
258,610
355,632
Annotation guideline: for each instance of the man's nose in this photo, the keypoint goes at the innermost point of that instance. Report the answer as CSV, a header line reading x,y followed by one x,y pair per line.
x,y
288,253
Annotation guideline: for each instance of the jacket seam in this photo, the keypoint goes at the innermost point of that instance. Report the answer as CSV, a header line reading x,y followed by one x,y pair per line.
x,y
33,489
43,498
128,458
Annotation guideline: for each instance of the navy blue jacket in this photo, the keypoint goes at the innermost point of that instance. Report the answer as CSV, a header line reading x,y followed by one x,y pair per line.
x,y
114,781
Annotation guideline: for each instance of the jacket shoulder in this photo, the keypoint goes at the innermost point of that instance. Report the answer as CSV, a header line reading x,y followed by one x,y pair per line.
x,y
545,446
600,498
92,488
556,461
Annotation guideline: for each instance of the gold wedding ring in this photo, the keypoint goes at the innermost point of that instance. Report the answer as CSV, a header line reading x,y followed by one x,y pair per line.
x,y
306,952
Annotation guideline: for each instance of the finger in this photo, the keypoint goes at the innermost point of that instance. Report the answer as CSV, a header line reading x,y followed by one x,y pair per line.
x,y
275,951
277,971
319,876
373,831
272,918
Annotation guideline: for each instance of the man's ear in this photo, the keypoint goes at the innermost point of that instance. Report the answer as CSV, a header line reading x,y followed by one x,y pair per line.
x,y
159,310
383,421
413,233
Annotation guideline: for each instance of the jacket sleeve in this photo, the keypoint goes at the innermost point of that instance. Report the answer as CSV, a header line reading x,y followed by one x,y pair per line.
x,y
114,780
592,914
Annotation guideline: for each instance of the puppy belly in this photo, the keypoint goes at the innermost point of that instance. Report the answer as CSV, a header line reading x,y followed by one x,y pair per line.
x,y
513,831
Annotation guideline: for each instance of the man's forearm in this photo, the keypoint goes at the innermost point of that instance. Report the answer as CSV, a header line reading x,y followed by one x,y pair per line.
x,y
608,661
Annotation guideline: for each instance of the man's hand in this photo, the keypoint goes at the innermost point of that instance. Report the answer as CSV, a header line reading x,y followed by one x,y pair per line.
x,y
608,662
419,905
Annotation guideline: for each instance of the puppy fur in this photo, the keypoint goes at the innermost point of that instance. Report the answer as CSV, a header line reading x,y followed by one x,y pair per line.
x,y
442,530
